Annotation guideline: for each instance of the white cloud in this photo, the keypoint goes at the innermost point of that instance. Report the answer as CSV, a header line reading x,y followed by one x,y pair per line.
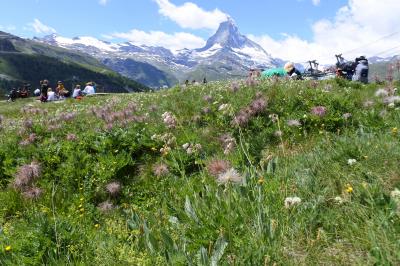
x,y
39,27
175,41
357,29
8,28
316,2
103,2
191,16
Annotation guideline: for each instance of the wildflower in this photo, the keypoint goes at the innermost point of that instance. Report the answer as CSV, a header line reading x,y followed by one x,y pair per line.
x,y
32,193
7,248
160,169
228,143
293,123
394,130
165,150
28,124
274,117
217,167
391,100
368,104
258,106
31,139
319,111
230,176
97,226
185,146
381,93
71,137
26,174
349,188
278,133
208,98
351,161
346,116
169,120
105,206
338,200
395,194
328,87
113,188
291,202
223,107
206,110
261,180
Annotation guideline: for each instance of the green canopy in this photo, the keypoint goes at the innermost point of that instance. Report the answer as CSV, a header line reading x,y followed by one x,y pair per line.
x,y
279,72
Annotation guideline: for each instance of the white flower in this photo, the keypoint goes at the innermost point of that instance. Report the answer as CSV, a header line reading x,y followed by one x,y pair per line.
x,y
381,93
391,105
230,176
292,201
185,146
338,200
222,107
351,161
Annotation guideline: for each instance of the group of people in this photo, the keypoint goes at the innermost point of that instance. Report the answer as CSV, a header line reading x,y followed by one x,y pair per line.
x,y
18,93
47,94
355,71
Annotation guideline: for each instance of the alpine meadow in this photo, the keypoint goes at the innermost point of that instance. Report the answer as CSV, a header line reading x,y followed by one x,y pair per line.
x,y
275,172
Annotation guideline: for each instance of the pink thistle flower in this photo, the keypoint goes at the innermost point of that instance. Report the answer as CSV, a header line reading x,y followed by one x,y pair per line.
x,y
217,167
32,193
105,206
26,174
160,170
114,188
72,137
319,111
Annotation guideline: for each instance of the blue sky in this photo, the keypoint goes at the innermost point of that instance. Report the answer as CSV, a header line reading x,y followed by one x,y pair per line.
x,y
283,27
72,18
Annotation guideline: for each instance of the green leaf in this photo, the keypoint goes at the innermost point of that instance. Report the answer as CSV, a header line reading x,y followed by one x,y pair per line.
x,y
218,251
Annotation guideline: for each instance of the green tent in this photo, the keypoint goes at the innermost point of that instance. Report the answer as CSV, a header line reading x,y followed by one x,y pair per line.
x,y
278,72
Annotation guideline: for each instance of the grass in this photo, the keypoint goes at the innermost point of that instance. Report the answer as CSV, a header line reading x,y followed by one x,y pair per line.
x,y
171,210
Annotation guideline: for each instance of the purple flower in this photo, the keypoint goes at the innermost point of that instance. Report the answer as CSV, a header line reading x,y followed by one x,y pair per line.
x,y
319,111
26,174
105,206
28,124
208,98
71,137
258,106
32,193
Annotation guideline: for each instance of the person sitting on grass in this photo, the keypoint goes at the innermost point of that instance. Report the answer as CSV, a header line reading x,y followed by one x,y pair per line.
x,y
77,94
89,89
51,95
44,87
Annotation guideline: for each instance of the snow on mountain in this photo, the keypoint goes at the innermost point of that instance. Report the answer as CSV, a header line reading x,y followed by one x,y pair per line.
x,y
226,47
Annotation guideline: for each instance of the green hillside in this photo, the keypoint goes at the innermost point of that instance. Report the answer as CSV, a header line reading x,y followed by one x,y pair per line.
x,y
28,61
279,173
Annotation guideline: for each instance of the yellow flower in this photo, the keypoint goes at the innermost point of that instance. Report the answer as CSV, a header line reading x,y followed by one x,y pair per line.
x,y
153,149
97,226
261,180
8,248
349,189
394,130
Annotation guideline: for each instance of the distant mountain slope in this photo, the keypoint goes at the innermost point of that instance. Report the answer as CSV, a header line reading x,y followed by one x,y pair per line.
x,y
227,54
28,61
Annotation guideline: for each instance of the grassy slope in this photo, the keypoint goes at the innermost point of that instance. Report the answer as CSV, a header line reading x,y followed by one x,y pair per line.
x,y
185,217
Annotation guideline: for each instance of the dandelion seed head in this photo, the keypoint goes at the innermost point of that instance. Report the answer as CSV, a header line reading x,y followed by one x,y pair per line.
x,y
230,176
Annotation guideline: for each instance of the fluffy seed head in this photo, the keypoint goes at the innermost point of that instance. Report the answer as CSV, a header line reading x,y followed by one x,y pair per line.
x,y
114,188
160,170
217,167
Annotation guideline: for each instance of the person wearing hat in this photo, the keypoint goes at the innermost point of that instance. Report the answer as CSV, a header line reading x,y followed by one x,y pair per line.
x,y
77,92
292,71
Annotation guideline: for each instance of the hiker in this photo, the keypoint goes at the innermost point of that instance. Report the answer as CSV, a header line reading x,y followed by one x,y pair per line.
x,y
273,72
61,92
361,70
12,96
292,72
51,95
77,94
44,85
187,82
204,81
89,89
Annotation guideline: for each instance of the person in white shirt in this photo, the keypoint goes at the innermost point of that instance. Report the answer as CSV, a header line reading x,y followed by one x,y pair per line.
x,y
77,92
89,89
51,95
